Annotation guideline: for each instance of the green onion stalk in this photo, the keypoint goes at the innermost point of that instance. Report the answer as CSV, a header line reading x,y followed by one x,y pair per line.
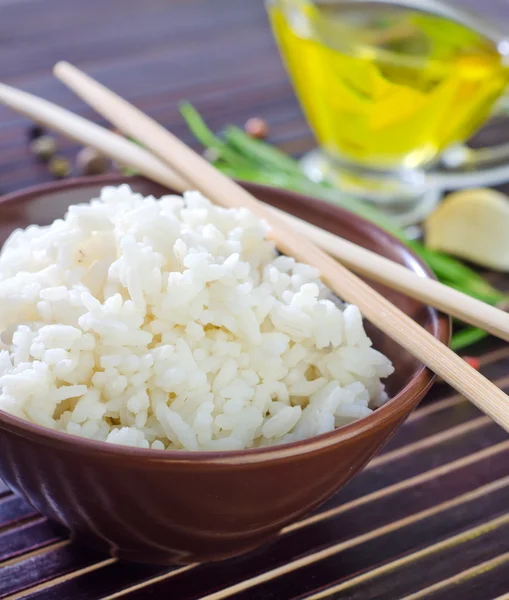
x,y
243,157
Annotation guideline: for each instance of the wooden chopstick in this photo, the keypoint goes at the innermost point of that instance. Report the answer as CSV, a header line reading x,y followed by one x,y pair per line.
x,y
357,258
203,176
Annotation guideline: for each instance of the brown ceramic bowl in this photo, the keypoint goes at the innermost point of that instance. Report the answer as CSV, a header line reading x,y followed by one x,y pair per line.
x,y
183,507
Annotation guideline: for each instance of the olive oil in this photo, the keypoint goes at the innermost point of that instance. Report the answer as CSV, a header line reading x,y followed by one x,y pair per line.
x,y
386,86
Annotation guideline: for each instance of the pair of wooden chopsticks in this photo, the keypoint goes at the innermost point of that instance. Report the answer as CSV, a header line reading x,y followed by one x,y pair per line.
x,y
170,162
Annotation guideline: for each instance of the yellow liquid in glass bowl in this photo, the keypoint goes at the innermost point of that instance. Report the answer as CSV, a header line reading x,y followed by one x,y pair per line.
x,y
383,86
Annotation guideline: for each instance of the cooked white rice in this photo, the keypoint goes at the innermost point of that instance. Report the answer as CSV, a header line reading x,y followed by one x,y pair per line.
x,y
173,323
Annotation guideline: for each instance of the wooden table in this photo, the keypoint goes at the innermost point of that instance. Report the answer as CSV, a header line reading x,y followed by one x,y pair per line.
x,y
429,517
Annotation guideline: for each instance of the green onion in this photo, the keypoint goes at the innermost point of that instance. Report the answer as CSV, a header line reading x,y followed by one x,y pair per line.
x,y
205,136
260,152
467,337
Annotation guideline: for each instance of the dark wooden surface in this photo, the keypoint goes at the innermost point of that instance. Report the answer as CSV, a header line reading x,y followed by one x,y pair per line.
x,y
429,517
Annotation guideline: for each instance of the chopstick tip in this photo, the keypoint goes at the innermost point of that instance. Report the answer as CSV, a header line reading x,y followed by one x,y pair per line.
x,y
61,66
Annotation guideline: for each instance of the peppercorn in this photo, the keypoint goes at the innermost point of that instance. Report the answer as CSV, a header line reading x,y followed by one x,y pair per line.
x,y
473,361
44,147
91,162
257,128
59,167
35,131
124,169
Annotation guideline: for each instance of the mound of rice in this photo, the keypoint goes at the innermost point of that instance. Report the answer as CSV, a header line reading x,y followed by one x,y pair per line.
x,y
174,323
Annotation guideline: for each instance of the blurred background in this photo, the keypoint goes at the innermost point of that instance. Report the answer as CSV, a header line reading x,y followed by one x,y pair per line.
x,y
220,55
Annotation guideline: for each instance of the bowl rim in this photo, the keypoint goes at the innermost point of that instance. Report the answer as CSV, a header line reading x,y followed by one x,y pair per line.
x,y
396,407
